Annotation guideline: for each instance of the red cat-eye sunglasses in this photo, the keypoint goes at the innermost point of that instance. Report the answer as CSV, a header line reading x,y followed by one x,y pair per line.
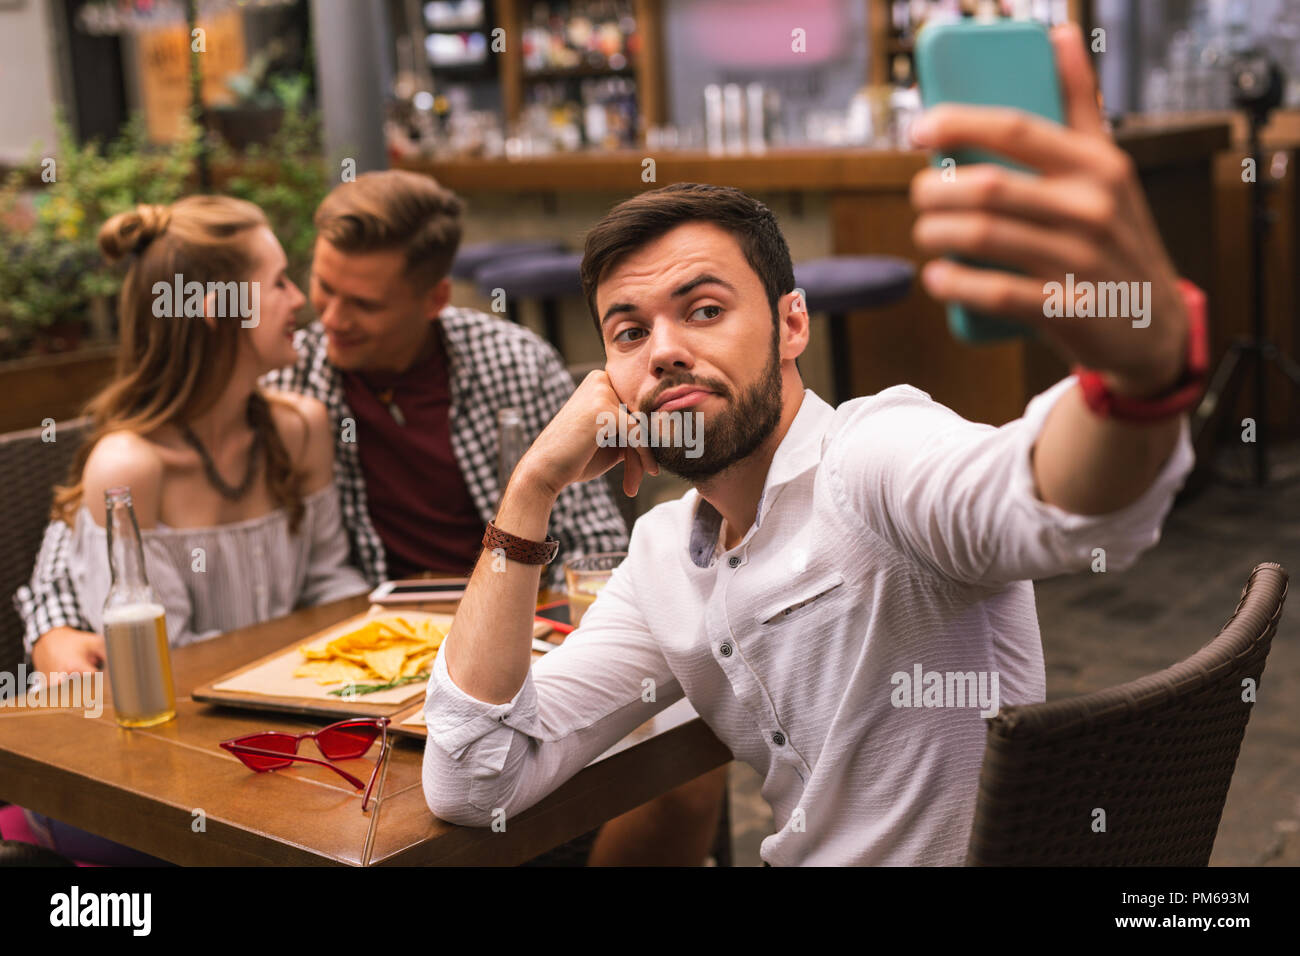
x,y
273,749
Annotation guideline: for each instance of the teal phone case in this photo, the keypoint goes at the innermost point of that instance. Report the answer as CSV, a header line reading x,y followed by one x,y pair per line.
x,y
995,63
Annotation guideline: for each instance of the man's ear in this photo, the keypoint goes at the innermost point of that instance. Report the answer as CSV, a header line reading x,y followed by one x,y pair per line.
x,y
436,299
793,312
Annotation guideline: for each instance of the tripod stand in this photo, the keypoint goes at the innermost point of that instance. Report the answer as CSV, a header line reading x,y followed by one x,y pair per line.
x,y
1258,89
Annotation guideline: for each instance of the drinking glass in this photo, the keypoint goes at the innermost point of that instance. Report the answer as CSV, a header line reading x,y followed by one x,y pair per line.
x,y
585,577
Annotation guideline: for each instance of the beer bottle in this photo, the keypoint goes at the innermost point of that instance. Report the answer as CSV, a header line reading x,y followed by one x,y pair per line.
x,y
135,624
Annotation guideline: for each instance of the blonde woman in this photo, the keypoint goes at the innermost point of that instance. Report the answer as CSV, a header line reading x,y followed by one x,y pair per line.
x,y
232,485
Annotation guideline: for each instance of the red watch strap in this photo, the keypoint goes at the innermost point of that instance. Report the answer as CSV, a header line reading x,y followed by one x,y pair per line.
x,y
1183,395
520,549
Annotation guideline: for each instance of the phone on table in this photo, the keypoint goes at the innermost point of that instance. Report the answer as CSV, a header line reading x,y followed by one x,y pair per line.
x,y
419,591
557,615
987,63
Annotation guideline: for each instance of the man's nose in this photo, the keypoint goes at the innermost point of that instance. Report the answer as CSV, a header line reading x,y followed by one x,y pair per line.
x,y
668,348
328,311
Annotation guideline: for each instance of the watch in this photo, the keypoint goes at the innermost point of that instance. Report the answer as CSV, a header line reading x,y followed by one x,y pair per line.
x,y
520,549
1180,396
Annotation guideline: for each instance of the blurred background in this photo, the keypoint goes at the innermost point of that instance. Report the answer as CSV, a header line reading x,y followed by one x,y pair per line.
x,y
541,113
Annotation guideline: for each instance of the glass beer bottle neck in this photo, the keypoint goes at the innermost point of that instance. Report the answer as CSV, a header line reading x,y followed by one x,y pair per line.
x,y
125,549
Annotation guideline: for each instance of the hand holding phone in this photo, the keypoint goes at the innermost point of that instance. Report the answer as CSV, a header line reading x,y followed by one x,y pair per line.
x,y
1069,229
997,63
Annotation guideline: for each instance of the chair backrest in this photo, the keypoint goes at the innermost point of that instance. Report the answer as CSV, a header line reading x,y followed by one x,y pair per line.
x,y
29,469
1155,755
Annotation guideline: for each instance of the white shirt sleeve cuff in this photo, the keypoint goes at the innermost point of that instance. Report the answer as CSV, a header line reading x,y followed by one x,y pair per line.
x,y
1122,534
454,720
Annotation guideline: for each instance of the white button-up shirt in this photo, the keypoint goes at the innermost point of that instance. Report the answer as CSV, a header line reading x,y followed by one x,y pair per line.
x,y
840,649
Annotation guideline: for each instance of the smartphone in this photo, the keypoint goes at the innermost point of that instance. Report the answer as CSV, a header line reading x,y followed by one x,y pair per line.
x,y
419,591
987,63
557,615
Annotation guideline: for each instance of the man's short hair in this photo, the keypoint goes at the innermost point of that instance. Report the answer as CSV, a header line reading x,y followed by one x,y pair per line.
x,y
640,220
395,209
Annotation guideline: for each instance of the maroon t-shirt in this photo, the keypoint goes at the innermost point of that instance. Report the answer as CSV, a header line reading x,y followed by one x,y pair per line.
x,y
417,497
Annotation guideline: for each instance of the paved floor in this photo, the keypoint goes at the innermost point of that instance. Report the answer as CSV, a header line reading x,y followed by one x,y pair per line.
x,y
1104,629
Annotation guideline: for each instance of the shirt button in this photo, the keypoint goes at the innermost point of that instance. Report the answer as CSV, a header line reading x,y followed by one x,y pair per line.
x,y
734,561
725,649
778,738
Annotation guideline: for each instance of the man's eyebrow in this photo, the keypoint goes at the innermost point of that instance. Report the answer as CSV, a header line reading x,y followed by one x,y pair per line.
x,y
325,287
704,278
618,308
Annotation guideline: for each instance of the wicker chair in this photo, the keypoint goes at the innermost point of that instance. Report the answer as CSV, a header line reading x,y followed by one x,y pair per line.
x,y
29,469
1156,754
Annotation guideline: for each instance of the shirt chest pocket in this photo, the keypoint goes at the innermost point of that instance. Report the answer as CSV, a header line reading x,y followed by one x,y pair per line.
x,y
802,598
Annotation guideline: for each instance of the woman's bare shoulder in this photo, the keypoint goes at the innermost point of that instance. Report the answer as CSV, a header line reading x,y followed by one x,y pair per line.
x,y
124,458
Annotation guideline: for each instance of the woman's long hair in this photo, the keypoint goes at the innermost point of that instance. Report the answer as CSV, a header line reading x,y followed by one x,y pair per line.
x,y
173,369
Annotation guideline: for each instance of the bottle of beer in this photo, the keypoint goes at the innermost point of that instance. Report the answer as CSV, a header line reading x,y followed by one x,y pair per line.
x,y
135,625
512,442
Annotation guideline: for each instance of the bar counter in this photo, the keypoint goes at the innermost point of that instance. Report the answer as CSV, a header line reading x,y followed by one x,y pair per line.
x,y
849,201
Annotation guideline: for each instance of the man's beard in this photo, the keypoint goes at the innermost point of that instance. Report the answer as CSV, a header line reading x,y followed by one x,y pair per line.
x,y
733,434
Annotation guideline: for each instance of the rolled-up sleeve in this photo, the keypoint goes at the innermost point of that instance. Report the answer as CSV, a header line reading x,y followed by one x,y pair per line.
x,y
49,599
575,703
960,497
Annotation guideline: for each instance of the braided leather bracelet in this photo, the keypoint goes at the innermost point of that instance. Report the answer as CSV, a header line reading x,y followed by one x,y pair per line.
x,y
520,549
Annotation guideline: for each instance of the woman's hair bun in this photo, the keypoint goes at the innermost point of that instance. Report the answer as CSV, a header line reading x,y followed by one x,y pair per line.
x,y
131,232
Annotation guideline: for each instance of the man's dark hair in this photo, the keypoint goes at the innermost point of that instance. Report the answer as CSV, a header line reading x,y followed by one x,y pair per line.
x,y
640,220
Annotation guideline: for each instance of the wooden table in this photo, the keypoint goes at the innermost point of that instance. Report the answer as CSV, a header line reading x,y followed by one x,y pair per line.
x,y
150,788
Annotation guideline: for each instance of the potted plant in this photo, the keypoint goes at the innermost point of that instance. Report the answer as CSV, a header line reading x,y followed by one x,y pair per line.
x,y
55,288
259,101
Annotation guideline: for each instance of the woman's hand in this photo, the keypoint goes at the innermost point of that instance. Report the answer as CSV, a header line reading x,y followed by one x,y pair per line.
x,y
68,651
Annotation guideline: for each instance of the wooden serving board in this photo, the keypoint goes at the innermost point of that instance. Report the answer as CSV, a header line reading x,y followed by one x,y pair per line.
x,y
267,683
409,722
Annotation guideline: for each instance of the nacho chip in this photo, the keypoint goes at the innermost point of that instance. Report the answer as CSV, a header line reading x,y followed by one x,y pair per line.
x,y
386,663
332,672
381,649
418,664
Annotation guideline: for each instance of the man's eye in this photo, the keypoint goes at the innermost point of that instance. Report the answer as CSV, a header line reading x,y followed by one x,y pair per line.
x,y
619,336
717,310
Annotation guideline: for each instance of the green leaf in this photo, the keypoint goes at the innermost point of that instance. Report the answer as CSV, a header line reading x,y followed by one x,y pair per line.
x,y
357,690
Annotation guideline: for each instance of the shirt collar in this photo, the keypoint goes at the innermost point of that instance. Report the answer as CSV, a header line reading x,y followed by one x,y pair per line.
x,y
800,450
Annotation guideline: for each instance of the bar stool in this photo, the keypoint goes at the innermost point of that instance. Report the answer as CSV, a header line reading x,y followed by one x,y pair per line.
x,y
841,284
545,276
473,257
